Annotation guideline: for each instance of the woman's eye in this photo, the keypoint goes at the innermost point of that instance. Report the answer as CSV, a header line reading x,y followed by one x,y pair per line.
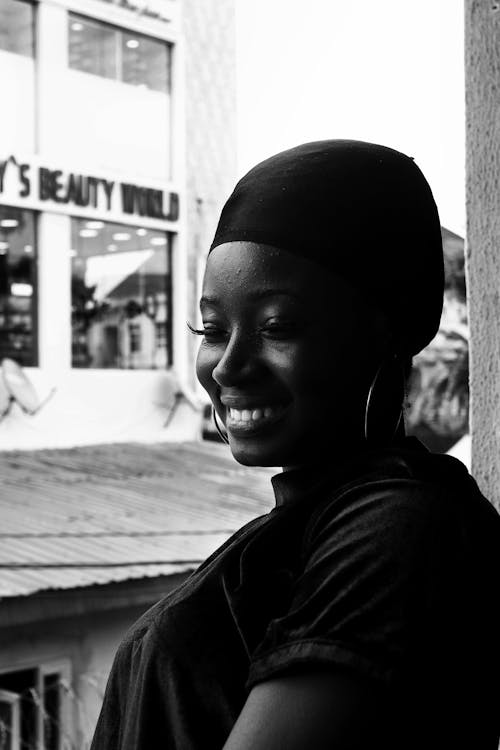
x,y
280,329
210,332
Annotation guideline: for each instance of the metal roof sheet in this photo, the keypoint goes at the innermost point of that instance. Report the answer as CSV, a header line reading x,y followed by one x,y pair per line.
x,y
99,514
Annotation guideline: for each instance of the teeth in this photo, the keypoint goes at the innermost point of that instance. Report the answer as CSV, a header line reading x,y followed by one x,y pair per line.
x,y
252,415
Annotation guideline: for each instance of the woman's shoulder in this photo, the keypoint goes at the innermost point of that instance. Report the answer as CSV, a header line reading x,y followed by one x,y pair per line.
x,y
404,484
139,638
145,639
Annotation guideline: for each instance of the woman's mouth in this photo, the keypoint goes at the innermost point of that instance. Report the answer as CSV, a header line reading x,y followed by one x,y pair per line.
x,y
244,421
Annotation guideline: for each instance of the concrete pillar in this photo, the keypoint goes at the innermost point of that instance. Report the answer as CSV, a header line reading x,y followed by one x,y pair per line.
x,y
54,292
482,70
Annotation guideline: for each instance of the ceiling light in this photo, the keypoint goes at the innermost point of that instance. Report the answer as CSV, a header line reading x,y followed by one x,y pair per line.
x,y
28,248
94,224
142,232
112,248
9,223
21,290
121,236
76,26
132,43
88,233
158,240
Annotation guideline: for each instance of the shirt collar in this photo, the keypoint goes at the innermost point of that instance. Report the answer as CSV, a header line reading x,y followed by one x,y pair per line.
x,y
296,484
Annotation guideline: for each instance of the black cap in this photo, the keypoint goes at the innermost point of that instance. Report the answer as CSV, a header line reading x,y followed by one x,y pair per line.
x,y
364,211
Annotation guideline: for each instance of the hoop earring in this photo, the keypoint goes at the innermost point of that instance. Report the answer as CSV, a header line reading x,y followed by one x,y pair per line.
x,y
217,426
379,396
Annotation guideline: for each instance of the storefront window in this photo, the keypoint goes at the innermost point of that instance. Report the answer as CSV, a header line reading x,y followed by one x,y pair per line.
x,y
121,293
92,47
17,22
105,50
145,61
18,286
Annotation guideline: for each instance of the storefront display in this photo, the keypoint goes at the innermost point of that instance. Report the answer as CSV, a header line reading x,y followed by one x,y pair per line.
x,y
121,294
18,286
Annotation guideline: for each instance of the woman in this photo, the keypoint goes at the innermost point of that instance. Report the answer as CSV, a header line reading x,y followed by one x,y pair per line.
x,y
362,610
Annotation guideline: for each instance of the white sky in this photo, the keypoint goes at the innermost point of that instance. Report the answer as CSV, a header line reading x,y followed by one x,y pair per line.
x,y
387,71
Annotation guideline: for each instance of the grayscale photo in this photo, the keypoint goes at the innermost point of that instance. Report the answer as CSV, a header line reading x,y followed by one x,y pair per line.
x,y
249,375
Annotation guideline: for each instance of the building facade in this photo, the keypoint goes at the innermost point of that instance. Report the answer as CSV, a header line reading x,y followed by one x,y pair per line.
x,y
116,157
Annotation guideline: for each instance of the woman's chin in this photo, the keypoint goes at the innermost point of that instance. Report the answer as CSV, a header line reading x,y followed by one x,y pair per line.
x,y
254,455
264,452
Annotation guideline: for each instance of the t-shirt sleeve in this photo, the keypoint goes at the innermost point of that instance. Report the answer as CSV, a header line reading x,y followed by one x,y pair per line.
x,y
373,575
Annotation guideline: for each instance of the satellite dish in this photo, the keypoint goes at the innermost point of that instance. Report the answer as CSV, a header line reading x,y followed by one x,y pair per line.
x,y
19,386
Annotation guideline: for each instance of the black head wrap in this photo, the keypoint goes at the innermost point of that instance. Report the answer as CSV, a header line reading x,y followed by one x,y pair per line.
x,y
363,211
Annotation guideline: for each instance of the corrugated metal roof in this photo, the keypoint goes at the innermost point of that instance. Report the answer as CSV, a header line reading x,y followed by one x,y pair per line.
x,y
99,514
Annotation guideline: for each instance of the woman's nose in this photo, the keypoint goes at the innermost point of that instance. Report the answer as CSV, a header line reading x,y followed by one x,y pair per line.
x,y
236,364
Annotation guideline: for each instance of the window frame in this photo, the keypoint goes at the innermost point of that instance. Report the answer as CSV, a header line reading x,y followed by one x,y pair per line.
x,y
119,32
12,699
45,667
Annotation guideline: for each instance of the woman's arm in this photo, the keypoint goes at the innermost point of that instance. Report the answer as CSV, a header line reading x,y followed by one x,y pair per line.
x,y
314,710
377,561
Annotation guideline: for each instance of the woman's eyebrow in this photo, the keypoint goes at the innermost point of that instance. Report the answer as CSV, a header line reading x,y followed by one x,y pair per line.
x,y
258,294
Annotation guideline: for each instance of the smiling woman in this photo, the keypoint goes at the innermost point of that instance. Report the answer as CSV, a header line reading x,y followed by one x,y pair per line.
x,y
362,611
280,345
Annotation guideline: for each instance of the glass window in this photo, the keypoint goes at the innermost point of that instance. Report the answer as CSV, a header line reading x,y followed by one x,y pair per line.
x,y
105,50
24,684
17,27
18,286
121,292
92,47
37,699
145,62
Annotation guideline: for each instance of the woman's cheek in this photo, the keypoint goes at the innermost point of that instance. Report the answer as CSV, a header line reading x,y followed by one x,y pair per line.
x,y
205,364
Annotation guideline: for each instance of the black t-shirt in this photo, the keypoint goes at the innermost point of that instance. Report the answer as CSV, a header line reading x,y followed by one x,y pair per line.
x,y
388,566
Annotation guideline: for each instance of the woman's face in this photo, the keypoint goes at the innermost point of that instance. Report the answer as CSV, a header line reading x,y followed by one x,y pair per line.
x,y
288,355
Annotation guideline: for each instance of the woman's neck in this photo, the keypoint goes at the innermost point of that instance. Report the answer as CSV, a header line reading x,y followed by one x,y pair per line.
x,y
320,461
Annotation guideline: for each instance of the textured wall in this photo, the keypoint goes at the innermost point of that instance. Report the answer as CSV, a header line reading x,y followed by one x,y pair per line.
x,y
482,58
209,37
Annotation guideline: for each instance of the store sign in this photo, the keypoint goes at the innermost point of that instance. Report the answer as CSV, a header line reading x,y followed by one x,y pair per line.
x,y
148,8
88,191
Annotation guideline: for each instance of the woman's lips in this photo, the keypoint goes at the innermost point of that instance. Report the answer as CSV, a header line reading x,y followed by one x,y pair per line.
x,y
245,421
